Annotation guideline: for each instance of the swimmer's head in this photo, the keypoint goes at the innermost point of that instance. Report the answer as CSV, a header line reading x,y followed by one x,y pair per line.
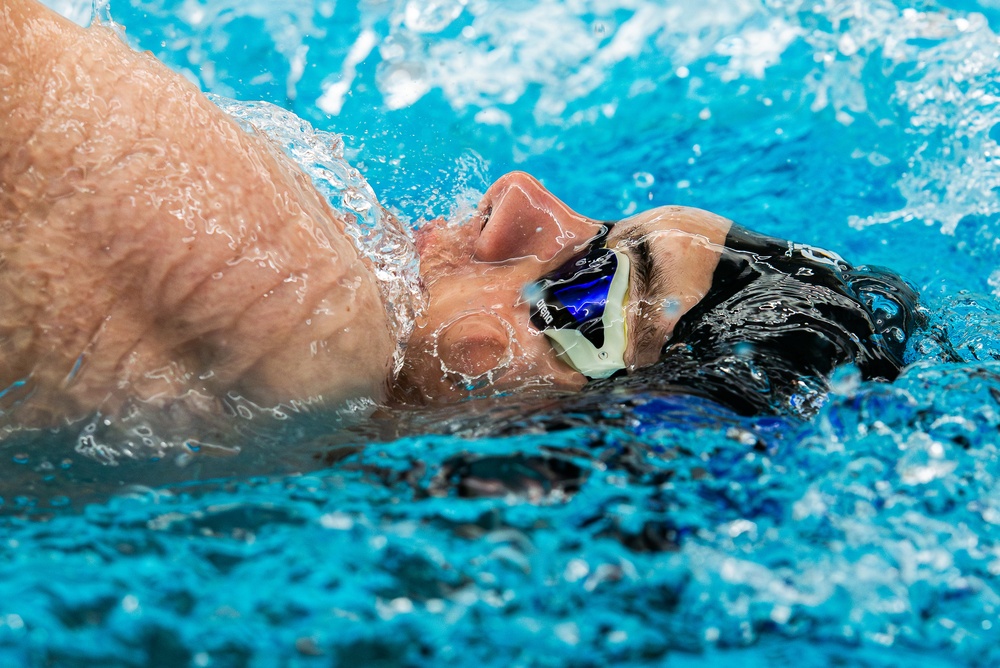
x,y
521,249
618,298
777,321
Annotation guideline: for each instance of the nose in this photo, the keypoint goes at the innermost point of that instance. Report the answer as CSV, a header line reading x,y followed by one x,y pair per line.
x,y
522,219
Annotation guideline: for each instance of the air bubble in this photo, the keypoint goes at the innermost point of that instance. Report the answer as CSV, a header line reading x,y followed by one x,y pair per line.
x,y
431,16
643,179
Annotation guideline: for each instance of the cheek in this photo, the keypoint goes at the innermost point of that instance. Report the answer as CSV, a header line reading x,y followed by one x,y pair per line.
x,y
481,353
537,366
457,292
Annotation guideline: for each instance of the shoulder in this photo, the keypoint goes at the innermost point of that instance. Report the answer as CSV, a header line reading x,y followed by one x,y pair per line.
x,y
141,225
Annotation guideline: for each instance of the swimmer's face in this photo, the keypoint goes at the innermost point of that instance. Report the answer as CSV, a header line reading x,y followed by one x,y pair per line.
x,y
476,337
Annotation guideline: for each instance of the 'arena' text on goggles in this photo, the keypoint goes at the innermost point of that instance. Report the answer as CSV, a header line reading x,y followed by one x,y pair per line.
x,y
580,307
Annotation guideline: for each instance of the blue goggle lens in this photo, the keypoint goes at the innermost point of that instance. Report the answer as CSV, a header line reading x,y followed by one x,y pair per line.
x,y
575,295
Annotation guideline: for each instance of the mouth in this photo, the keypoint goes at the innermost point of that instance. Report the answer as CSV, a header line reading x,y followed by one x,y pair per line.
x,y
426,236
444,246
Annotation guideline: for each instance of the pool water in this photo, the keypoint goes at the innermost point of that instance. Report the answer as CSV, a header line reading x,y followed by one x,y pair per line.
x,y
625,525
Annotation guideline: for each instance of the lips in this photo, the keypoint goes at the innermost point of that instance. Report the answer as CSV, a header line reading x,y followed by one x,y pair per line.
x,y
443,248
427,236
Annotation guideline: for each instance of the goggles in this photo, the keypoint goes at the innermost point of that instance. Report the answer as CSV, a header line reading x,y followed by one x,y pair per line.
x,y
580,307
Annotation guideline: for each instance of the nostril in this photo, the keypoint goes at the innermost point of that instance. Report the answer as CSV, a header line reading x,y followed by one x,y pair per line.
x,y
484,217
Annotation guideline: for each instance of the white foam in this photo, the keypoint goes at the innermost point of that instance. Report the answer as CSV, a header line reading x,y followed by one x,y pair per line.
x,y
377,234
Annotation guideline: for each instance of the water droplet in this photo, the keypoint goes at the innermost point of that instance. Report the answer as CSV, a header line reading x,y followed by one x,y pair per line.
x,y
431,16
643,179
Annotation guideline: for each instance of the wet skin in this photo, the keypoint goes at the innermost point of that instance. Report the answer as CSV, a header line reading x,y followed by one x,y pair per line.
x,y
476,337
151,250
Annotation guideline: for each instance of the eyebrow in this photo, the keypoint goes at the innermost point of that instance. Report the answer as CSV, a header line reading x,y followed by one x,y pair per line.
x,y
649,277
644,269
647,274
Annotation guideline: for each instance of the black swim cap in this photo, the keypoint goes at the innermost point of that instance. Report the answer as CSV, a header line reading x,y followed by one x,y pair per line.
x,y
779,318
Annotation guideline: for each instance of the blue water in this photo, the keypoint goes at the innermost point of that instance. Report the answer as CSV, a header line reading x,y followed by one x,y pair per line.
x,y
620,527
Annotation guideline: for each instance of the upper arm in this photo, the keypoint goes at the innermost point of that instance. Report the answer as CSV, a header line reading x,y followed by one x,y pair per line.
x,y
142,227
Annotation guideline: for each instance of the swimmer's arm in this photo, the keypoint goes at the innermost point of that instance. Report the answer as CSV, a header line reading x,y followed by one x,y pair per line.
x,y
164,235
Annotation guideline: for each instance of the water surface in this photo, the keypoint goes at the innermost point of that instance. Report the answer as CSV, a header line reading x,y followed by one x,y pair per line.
x,y
625,526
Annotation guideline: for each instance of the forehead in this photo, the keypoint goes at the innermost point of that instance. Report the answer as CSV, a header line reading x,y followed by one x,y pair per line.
x,y
680,220
675,252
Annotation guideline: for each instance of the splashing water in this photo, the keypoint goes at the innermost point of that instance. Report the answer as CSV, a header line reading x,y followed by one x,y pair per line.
x,y
623,525
377,234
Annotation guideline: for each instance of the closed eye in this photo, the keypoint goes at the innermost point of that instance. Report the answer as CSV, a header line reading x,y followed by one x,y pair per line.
x,y
644,269
647,276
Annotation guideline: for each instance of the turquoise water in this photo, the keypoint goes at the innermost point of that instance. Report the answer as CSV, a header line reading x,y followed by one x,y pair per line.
x,y
623,526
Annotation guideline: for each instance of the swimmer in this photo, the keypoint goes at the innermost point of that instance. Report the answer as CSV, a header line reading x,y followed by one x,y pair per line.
x,y
531,293
151,251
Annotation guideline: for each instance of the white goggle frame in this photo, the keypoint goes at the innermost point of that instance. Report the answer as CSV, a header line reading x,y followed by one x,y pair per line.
x,y
573,347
